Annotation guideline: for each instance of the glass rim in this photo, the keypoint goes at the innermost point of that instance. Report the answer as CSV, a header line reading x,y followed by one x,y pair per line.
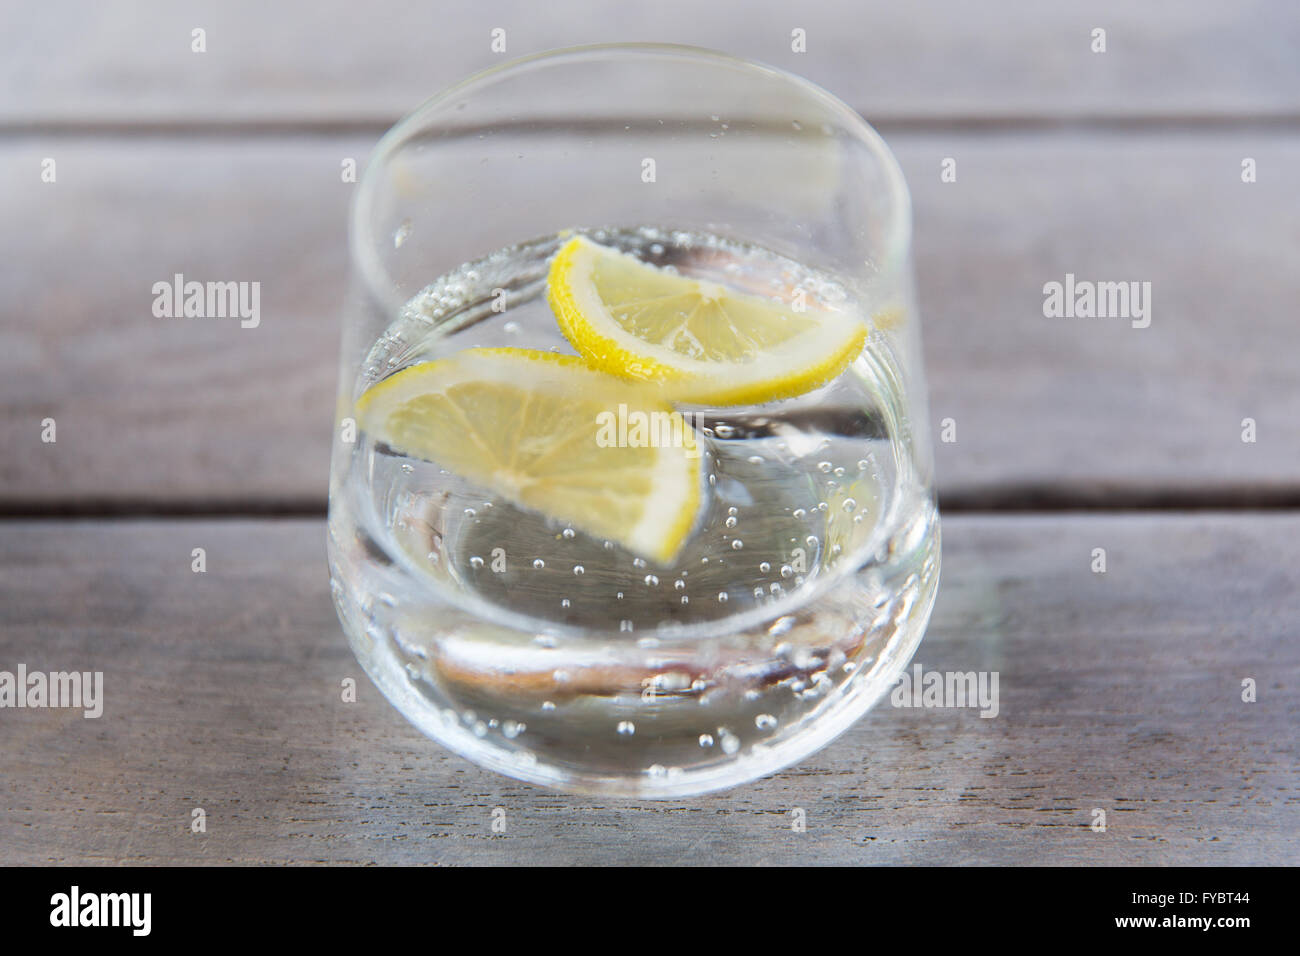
x,y
363,247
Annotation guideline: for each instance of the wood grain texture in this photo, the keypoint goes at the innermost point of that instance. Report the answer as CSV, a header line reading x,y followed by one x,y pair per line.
x,y
330,62
200,410
1119,691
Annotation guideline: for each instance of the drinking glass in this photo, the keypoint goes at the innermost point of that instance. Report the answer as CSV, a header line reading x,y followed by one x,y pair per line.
x,y
551,655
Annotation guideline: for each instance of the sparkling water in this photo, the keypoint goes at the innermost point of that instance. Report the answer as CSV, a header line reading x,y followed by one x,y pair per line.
x,y
560,658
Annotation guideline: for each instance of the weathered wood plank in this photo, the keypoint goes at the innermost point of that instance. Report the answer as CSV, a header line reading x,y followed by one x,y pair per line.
x,y
97,63
1118,691
174,410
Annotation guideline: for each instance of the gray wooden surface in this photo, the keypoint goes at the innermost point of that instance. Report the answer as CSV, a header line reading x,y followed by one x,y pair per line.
x,y
1053,406
332,62
1120,691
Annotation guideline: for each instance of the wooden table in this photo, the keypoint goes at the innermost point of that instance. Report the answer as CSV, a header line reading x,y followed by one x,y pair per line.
x,y
1120,691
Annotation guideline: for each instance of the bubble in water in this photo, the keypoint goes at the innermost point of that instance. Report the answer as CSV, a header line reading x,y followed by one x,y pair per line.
x,y
839,472
764,568
568,533
651,580
511,729
730,742
730,522
685,599
786,570
799,512
626,728
849,504
755,459
723,431
511,327
811,541
402,233
579,570
737,545
538,564
548,705
476,562
657,770
733,510
706,740
823,466
722,597
765,722
564,602
863,464
470,512
679,584
407,469
638,562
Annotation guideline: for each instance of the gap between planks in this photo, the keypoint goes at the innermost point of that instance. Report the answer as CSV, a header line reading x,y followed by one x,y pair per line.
x,y
987,501
276,126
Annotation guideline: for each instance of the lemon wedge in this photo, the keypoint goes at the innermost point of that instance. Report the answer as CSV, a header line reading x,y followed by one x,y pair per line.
x,y
703,342
543,431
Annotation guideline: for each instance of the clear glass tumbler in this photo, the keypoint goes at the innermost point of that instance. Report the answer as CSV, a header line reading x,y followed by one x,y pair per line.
x,y
513,634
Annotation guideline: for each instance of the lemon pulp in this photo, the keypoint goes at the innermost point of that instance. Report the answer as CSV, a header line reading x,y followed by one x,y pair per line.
x,y
704,342
535,428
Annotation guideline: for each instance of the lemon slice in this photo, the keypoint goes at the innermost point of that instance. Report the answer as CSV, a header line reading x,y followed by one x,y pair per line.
x,y
703,341
543,431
